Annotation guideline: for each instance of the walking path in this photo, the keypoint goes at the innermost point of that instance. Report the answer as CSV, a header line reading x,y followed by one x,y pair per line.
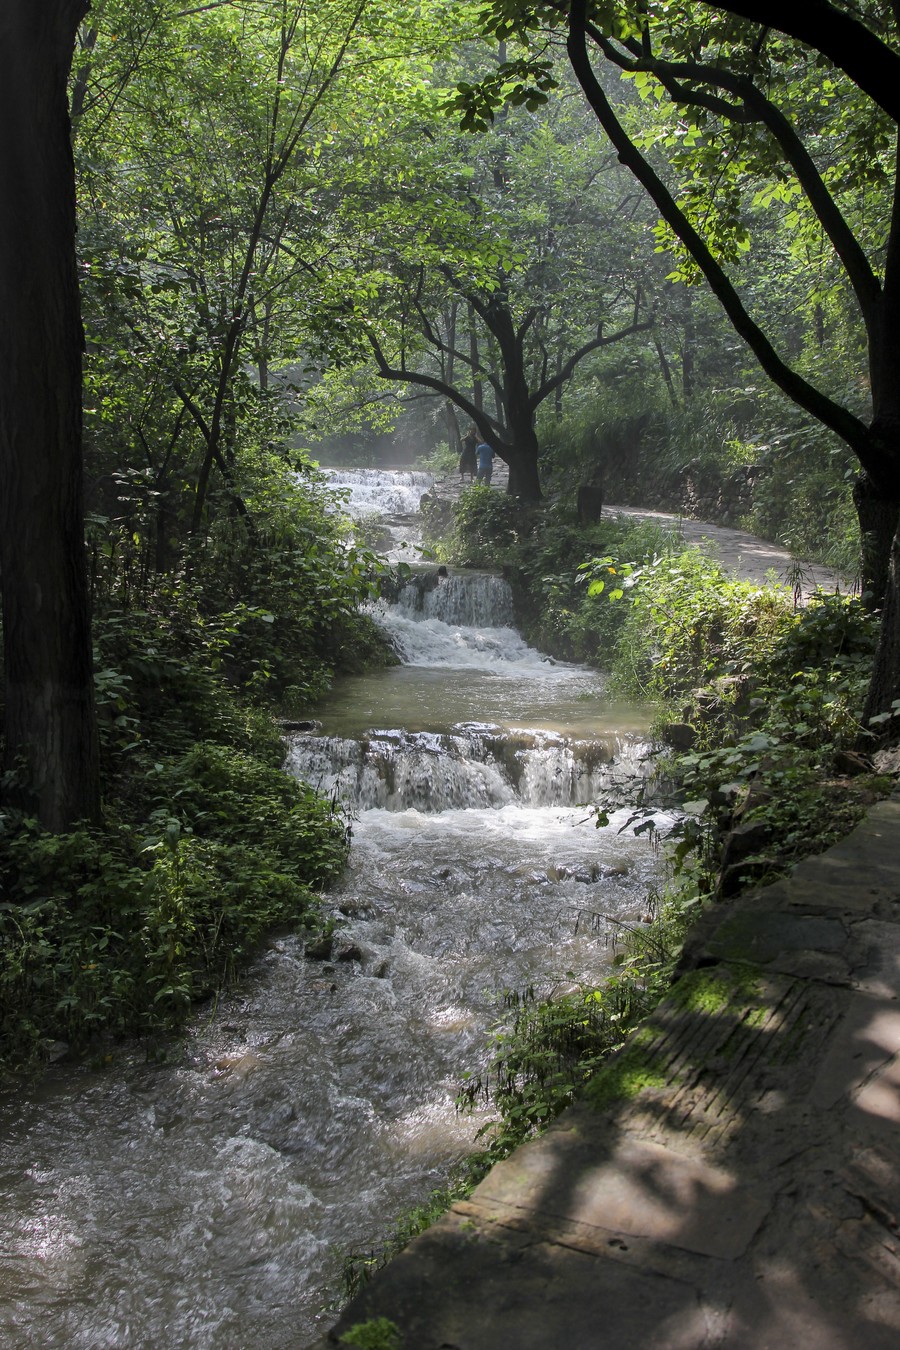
x,y
741,553
734,1181
744,554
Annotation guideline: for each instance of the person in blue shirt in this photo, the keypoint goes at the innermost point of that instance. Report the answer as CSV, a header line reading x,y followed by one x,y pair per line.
x,y
484,456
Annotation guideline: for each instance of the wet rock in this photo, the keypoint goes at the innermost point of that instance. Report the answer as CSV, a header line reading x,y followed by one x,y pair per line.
x,y
320,949
558,873
888,761
326,986
305,724
355,909
739,875
850,763
239,1066
343,950
680,735
743,841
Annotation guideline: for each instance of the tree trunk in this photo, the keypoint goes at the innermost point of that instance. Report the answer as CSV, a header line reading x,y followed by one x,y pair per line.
x,y
454,440
477,386
523,479
878,517
884,686
49,723
522,457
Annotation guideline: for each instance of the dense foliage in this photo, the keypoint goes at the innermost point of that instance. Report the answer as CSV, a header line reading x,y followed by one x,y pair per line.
x,y
207,843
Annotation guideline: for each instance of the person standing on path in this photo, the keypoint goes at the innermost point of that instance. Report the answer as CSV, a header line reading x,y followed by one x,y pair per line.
x,y
484,454
467,461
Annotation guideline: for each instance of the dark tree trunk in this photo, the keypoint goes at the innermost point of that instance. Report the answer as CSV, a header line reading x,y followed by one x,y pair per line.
x,y
523,478
49,709
477,386
454,440
884,685
878,516
666,371
522,456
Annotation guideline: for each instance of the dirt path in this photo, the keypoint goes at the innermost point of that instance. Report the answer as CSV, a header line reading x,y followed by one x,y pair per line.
x,y
743,554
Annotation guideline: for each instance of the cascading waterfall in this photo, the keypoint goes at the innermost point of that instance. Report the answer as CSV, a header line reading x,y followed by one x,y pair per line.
x,y
372,492
208,1202
473,599
473,766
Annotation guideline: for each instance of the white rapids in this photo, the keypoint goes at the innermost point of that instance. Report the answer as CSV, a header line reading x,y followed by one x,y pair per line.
x,y
209,1202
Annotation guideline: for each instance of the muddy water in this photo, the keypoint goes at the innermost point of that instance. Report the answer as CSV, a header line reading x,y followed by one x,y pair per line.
x,y
209,1202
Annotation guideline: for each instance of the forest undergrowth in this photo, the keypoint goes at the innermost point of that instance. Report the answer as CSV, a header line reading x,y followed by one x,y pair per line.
x,y
206,845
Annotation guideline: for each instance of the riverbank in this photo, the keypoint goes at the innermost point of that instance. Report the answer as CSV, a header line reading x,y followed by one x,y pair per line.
x,y
735,1179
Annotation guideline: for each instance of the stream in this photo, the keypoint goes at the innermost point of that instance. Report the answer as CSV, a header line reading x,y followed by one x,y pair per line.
x,y
209,1202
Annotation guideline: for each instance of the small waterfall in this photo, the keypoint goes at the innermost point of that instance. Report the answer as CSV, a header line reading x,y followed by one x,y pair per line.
x,y
472,767
470,599
379,492
459,620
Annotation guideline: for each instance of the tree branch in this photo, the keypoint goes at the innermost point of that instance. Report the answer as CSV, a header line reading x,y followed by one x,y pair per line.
x,y
831,414
487,425
847,42
566,370
863,280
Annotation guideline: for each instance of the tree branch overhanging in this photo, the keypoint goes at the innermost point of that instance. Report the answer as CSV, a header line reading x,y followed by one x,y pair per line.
x,y
845,40
568,368
824,409
487,425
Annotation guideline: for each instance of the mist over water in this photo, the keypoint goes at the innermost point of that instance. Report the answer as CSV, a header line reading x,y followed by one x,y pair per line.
x,y
209,1202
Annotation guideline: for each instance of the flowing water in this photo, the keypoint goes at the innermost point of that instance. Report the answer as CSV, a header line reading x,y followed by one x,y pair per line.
x,y
207,1203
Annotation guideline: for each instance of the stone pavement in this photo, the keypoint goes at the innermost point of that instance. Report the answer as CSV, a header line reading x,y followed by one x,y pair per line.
x,y
734,1180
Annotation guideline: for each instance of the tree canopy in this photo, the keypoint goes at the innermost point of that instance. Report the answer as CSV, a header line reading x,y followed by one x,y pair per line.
x,y
506,209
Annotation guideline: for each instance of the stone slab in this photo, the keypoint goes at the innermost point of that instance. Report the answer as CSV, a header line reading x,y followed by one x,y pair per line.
x,y
636,1188
461,1288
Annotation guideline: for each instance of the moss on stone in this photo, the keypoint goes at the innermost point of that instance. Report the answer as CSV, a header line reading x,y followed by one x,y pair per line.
x,y
720,989
624,1077
737,994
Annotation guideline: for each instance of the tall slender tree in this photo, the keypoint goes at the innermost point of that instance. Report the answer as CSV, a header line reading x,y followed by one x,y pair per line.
x,y
49,722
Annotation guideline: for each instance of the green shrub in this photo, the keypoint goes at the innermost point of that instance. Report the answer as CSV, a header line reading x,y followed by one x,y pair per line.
x,y
688,623
118,931
487,525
